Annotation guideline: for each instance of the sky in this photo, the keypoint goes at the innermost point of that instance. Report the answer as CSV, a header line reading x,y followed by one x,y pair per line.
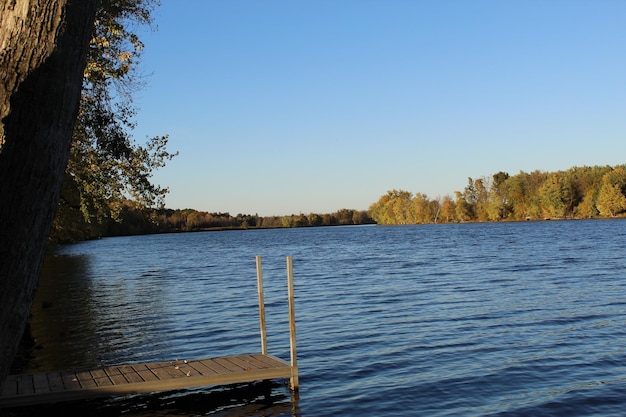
x,y
283,107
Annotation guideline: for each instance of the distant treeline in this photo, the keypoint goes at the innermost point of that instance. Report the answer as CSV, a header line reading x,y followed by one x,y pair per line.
x,y
192,220
131,218
579,192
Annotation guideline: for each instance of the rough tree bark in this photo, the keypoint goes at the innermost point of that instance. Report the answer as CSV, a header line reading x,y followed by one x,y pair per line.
x,y
43,47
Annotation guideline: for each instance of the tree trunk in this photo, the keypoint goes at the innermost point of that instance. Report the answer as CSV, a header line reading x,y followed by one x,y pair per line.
x,y
43,47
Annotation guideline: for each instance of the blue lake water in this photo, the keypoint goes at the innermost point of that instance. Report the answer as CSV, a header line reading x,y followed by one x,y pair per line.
x,y
495,319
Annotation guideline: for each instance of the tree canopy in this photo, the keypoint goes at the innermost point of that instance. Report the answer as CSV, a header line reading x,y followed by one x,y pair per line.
x,y
106,166
579,192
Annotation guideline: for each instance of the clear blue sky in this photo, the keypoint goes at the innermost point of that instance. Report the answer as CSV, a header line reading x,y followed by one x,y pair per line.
x,y
281,107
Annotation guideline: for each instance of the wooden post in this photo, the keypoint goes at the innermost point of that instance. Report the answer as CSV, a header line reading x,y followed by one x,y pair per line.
x,y
259,280
292,326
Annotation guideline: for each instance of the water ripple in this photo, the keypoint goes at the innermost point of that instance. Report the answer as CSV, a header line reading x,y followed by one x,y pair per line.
x,y
440,320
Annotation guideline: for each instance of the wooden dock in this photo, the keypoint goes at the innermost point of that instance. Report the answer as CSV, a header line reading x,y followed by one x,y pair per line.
x,y
50,387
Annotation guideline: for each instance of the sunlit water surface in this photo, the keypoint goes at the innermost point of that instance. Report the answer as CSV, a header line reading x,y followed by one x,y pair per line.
x,y
436,320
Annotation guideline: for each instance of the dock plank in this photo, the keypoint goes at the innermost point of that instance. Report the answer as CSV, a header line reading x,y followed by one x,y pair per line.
x,y
165,370
130,374
55,381
101,378
269,359
115,375
254,362
201,368
232,367
188,370
212,364
9,388
25,385
41,383
244,364
27,389
144,372
70,381
86,379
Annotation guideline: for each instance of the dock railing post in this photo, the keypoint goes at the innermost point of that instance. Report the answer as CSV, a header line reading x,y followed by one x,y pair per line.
x,y
292,326
259,279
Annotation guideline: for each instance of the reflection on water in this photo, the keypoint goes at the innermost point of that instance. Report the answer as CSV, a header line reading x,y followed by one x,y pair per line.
x,y
83,318
64,315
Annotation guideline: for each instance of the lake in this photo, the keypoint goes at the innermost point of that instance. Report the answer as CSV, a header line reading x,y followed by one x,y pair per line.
x,y
491,319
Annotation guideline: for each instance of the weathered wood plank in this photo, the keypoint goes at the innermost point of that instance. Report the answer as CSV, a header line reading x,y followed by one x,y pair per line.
x,y
272,361
25,384
40,382
55,381
10,386
228,365
242,363
219,369
86,379
165,370
130,374
101,378
145,373
201,368
253,362
115,375
187,369
70,381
